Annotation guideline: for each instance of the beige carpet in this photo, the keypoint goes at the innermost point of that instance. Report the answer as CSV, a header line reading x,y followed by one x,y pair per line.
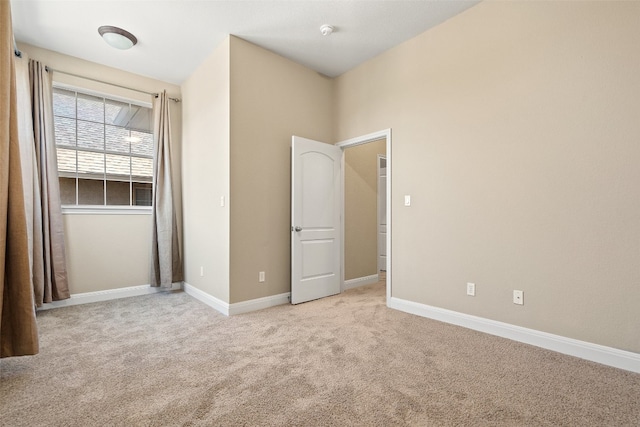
x,y
169,360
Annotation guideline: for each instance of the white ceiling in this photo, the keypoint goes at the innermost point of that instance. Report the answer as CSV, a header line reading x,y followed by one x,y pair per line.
x,y
175,36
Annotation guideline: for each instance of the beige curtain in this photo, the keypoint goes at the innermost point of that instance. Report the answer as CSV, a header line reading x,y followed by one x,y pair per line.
x,y
50,281
166,265
18,331
30,177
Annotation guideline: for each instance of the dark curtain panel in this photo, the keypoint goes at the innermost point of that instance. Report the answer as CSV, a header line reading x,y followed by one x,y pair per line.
x,y
166,264
54,285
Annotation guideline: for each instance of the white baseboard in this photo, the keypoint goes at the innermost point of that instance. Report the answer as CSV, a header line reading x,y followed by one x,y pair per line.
x,y
584,350
134,291
106,295
238,307
259,303
210,300
360,281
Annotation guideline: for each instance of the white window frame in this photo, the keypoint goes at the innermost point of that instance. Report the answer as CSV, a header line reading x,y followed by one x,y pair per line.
x,y
106,209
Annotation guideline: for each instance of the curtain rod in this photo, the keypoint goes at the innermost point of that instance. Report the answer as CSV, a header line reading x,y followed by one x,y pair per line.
x,y
154,94
16,51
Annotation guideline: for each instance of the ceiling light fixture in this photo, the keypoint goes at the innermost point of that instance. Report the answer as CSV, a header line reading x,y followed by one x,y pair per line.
x,y
117,37
326,30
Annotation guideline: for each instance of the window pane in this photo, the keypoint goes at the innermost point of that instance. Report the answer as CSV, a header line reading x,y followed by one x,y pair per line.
x,y
90,108
117,113
90,192
95,138
91,164
141,143
67,191
66,160
117,139
141,119
90,135
142,194
118,193
64,103
141,167
65,130
118,166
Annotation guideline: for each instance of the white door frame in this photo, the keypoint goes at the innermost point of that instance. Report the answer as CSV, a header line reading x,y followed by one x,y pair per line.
x,y
379,208
359,140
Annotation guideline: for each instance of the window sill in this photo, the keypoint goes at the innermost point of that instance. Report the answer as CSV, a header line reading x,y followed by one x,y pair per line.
x,y
106,210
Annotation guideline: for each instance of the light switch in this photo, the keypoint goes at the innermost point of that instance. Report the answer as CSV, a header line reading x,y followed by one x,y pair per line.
x,y
221,201
407,200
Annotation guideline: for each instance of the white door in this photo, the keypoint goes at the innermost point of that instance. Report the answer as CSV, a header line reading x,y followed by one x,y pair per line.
x,y
382,213
315,220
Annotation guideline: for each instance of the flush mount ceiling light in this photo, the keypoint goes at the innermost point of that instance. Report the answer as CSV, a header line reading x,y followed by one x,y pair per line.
x,y
117,37
326,30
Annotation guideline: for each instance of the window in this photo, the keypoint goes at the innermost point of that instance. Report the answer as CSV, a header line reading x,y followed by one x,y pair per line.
x,y
104,148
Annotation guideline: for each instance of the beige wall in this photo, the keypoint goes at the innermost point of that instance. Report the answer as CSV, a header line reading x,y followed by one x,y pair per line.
x,y
108,251
206,174
361,209
515,129
272,99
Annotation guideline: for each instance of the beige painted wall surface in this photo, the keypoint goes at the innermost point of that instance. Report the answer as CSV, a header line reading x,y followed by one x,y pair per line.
x,y
361,209
206,174
515,130
271,99
108,251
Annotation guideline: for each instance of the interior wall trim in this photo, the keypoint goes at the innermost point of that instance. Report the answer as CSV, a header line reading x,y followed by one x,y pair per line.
x,y
259,303
353,142
360,281
106,295
594,352
134,291
210,300
238,307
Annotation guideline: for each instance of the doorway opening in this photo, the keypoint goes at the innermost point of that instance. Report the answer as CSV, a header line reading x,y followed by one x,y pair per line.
x,y
378,151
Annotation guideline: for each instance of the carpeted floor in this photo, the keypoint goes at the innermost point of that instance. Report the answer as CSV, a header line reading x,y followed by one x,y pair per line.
x,y
169,360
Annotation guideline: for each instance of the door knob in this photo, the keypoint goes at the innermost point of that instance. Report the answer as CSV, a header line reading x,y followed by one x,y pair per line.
x,y
298,228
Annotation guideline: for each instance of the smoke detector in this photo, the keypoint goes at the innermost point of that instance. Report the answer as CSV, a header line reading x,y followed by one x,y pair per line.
x,y
326,30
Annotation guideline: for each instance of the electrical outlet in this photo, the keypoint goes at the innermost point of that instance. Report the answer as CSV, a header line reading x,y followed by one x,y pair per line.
x,y
518,297
471,289
261,277
201,271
